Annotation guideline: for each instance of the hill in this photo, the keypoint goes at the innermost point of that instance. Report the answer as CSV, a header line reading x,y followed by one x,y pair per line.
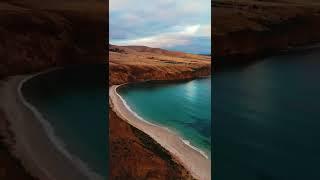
x,y
140,63
37,34
246,29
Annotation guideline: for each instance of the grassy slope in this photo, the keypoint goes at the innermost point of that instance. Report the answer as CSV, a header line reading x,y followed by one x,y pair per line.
x,y
36,35
231,16
138,63
134,155
254,27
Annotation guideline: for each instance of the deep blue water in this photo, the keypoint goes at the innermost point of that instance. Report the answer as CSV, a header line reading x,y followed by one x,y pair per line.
x,y
74,101
266,119
183,107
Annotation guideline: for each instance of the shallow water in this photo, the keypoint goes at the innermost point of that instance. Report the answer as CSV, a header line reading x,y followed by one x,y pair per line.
x,y
266,119
183,107
74,101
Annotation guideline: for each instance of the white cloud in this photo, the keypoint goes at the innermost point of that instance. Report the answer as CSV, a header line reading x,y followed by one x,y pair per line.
x,y
115,5
168,39
205,30
161,10
190,30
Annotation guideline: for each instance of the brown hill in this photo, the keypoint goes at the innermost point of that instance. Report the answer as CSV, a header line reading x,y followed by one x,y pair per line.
x,y
38,34
134,155
140,63
245,29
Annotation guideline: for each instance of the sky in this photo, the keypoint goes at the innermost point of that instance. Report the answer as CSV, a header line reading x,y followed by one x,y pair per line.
x,y
182,25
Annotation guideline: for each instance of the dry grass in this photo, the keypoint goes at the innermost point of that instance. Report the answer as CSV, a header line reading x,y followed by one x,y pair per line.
x,y
138,63
258,15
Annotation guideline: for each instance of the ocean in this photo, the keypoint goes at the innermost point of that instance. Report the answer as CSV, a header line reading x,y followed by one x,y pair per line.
x,y
266,119
182,107
74,101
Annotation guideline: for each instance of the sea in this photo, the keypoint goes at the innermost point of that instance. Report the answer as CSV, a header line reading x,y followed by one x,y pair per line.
x,y
266,118
74,100
184,107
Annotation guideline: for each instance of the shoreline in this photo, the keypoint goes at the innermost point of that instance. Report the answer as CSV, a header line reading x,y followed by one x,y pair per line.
x,y
41,152
232,60
192,158
187,142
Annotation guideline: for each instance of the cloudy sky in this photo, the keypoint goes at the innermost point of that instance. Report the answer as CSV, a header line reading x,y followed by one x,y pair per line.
x,y
183,25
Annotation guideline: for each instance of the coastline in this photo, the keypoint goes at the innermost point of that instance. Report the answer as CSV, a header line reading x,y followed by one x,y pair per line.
x,y
231,60
193,159
187,142
36,145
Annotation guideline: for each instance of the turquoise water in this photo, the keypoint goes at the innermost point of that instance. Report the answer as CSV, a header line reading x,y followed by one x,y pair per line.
x,y
183,107
266,119
74,101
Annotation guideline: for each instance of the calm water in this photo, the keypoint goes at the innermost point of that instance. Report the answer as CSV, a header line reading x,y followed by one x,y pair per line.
x,y
182,107
266,119
74,101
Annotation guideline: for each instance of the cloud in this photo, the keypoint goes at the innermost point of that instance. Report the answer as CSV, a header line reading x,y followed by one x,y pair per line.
x,y
164,24
168,39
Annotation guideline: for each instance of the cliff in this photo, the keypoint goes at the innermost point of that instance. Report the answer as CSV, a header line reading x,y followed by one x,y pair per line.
x,y
139,63
246,29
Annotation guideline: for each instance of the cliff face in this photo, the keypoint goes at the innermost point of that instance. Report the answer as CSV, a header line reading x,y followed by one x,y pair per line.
x,y
245,29
133,64
36,35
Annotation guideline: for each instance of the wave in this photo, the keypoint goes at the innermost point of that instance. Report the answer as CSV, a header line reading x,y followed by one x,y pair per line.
x,y
55,140
195,148
169,130
133,112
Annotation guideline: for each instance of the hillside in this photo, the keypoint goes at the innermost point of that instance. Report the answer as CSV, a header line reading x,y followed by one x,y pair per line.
x,y
129,148
246,29
35,34
140,63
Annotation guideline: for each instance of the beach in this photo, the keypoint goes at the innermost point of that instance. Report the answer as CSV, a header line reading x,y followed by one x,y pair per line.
x,y
42,154
194,161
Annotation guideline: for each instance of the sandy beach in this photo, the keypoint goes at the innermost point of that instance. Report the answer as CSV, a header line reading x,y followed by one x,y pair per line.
x,y
42,155
198,165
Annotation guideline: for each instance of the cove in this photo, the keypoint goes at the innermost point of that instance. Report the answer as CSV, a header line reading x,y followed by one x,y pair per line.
x,y
182,107
74,102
